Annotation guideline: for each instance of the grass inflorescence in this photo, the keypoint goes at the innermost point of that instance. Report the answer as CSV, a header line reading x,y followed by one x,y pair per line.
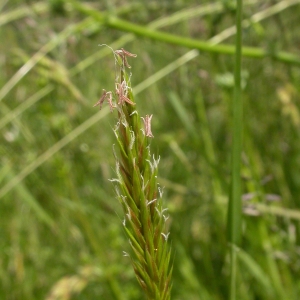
x,y
137,188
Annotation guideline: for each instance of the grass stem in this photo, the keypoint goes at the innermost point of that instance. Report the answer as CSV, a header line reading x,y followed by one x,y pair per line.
x,y
143,31
234,205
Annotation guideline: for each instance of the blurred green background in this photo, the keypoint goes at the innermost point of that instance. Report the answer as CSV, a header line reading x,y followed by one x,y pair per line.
x,y
61,234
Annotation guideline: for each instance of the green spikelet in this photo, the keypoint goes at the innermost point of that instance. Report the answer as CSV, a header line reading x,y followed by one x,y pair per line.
x,y
137,189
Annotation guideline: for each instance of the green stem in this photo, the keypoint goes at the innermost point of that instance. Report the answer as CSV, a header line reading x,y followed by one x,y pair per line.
x,y
234,206
117,23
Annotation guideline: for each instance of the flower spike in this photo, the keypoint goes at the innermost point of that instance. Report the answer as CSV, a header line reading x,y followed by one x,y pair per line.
x,y
137,189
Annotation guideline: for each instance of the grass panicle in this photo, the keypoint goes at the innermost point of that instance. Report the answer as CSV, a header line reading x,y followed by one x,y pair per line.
x,y
137,188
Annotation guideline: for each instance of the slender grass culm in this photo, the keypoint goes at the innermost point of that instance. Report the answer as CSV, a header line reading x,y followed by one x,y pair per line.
x,y
137,189
235,204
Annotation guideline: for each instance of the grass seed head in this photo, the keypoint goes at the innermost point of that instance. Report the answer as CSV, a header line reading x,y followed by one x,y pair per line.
x,y
137,189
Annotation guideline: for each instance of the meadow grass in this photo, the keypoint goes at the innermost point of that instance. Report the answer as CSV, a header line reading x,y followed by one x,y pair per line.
x,y
61,225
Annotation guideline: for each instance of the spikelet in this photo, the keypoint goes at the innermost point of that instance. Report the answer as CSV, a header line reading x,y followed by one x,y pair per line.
x,y
137,189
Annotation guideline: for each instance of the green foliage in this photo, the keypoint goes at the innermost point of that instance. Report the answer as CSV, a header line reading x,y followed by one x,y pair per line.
x,y
61,224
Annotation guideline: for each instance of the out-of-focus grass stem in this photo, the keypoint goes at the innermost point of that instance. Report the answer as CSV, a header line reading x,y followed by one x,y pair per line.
x,y
234,206
117,23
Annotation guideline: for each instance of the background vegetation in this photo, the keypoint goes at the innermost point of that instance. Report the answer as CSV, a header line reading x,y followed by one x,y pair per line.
x,y
61,225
